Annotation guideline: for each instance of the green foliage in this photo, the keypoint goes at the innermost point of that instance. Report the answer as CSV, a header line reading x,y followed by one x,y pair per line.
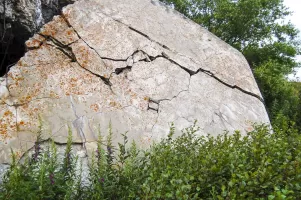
x,y
281,97
240,22
42,176
279,52
259,165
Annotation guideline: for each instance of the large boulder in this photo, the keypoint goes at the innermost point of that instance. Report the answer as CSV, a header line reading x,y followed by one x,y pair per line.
x,y
136,63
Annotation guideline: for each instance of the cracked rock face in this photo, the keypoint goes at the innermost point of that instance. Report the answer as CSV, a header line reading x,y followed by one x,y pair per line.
x,y
135,63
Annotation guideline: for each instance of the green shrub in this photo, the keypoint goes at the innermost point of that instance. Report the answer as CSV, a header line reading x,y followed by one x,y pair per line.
x,y
259,165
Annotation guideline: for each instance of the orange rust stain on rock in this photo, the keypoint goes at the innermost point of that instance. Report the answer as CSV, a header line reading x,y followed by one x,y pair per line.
x,y
28,98
49,29
54,95
20,63
32,43
22,124
133,95
69,32
7,113
6,124
115,104
95,107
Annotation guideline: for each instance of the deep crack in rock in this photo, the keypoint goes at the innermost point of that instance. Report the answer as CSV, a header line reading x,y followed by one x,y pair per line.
x,y
215,77
67,50
153,105
191,72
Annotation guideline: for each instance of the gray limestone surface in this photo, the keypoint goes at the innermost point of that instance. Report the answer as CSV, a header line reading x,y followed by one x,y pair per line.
x,y
135,63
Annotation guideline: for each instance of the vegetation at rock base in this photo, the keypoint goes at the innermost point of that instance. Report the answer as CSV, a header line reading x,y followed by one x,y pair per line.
x,y
257,29
259,165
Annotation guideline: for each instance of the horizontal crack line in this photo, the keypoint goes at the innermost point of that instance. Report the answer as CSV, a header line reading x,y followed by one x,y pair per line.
x,y
191,72
44,142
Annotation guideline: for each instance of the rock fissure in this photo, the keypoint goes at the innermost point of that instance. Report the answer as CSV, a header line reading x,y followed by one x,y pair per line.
x,y
161,100
56,41
73,107
137,31
156,121
78,35
71,55
147,58
153,102
46,141
191,72
67,50
146,36
230,86
120,70
153,105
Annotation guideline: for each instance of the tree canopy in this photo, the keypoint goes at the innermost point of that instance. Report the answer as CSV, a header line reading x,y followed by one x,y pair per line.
x,y
241,23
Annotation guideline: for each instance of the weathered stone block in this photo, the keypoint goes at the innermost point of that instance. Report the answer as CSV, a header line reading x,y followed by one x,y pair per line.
x,y
136,63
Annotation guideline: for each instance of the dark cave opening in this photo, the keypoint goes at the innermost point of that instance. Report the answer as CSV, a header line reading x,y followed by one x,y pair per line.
x,y
11,50
12,44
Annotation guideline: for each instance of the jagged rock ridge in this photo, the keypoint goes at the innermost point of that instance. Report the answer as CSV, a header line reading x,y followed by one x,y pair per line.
x,y
136,63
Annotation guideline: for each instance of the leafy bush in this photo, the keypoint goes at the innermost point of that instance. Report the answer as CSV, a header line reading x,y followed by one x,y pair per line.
x,y
259,165
282,98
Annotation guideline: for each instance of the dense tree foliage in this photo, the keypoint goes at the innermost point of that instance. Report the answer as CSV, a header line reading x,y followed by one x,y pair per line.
x,y
282,98
243,23
256,28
